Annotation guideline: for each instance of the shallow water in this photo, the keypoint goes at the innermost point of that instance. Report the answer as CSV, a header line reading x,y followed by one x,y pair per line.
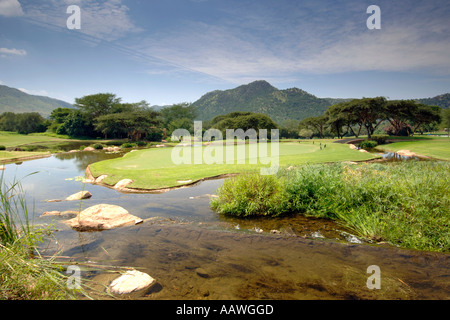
x,y
194,253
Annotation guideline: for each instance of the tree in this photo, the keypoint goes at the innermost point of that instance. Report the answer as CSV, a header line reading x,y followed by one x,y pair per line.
x,y
133,125
100,104
176,112
244,121
77,125
446,120
30,122
289,129
425,115
368,112
317,124
8,121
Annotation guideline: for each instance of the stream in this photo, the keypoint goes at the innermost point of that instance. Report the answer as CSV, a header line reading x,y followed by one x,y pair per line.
x,y
195,253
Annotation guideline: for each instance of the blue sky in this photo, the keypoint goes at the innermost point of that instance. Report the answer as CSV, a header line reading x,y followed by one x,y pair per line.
x,y
171,51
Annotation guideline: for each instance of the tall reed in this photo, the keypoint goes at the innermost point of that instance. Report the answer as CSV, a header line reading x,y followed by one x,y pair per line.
x,y
24,274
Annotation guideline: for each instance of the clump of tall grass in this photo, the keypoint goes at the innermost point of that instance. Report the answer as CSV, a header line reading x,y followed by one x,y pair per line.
x,y
404,203
24,274
251,195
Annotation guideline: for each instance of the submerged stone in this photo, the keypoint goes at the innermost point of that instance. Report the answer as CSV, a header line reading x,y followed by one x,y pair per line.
x,y
131,281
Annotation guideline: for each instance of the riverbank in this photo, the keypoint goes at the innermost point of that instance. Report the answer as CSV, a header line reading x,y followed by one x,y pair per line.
x,y
404,203
20,156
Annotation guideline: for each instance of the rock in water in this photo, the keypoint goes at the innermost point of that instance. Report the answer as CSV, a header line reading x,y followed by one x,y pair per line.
x,y
79,196
131,281
102,217
122,184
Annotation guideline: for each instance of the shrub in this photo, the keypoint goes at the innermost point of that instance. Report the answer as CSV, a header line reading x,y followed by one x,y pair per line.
x,y
127,145
97,146
380,139
141,143
2,148
368,144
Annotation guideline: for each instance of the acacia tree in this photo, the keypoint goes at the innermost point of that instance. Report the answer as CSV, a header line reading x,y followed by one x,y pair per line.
x,y
369,112
99,104
134,125
399,113
425,115
317,124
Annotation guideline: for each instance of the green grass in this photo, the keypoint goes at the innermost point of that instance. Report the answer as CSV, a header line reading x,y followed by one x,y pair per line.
x,y
154,168
406,203
436,147
13,139
13,156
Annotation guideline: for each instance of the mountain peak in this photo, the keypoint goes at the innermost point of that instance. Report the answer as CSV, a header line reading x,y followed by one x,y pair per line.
x,y
17,101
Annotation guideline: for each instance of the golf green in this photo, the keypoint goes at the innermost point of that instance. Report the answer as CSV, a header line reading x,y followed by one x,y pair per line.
x,y
159,168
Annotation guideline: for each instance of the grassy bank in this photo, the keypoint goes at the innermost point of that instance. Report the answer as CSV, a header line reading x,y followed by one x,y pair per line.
x,y
154,168
403,203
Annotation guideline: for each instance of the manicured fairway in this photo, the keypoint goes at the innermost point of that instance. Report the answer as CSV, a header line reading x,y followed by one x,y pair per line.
x,y
155,168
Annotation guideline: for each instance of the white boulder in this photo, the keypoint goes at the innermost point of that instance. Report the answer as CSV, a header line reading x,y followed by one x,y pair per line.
x,y
131,281
102,217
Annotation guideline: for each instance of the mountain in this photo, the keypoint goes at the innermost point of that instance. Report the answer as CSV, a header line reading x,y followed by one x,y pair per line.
x,y
14,100
261,97
442,101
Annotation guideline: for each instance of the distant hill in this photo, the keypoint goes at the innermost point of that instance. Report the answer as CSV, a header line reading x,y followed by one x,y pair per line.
x,y
442,101
261,97
14,100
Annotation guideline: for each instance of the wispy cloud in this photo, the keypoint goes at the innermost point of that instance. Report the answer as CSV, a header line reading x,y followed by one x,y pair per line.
x,y
282,40
106,20
10,8
15,52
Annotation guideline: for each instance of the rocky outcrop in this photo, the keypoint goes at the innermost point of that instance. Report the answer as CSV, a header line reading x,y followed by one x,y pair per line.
x,y
102,217
79,196
131,281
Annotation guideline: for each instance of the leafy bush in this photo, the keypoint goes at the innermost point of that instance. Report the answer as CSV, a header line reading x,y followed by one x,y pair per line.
x,y
379,138
2,148
368,144
127,145
141,143
97,146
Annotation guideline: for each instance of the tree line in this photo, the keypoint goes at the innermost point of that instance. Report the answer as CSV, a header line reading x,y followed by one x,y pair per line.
x,y
365,116
104,115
